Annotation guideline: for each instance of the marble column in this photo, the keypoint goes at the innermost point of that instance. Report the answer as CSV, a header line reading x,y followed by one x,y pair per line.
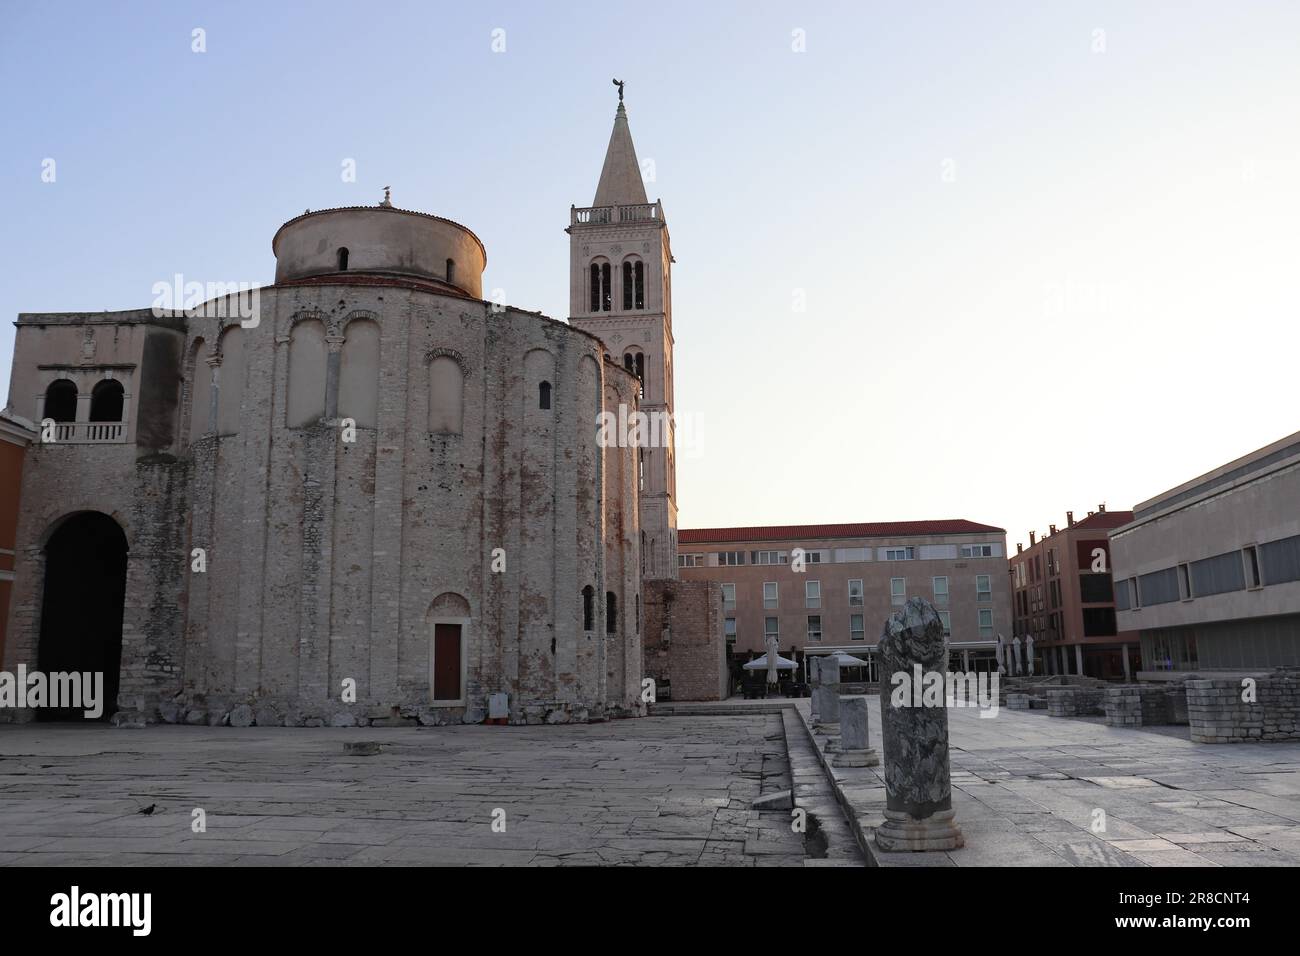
x,y
855,743
918,779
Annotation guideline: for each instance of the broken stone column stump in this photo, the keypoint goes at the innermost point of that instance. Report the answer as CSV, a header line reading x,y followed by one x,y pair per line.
x,y
918,778
855,745
828,710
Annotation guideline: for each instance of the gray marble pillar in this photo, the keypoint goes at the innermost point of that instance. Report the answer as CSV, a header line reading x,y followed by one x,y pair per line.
x,y
918,780
855,742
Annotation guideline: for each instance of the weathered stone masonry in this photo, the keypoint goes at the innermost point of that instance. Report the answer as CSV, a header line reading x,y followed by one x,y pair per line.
x,y
330,560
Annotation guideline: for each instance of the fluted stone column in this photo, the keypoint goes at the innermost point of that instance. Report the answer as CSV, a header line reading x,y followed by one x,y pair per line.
x,y
855,744
918,779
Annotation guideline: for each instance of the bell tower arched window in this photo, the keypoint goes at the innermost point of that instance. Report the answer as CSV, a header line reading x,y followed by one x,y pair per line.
x,y
634,362
343,259
544,395
633,284
602,292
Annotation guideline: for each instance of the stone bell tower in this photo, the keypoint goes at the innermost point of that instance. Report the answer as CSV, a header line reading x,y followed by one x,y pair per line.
x,y
620,289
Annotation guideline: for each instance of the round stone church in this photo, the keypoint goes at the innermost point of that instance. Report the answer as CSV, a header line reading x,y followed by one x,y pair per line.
x,y
361,494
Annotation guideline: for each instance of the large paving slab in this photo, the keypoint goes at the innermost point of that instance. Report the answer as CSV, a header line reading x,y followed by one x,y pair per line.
x,y
658,790
1034,790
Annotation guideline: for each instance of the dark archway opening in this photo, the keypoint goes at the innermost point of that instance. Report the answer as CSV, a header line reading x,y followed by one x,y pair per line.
x,y
81,612
61,401
106,401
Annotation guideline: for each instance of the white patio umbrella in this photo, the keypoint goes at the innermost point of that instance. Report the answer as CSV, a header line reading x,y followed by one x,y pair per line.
x,y
760,664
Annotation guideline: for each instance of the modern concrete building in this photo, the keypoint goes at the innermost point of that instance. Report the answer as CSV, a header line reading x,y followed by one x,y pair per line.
x,y
1209,572
851,578
1062,597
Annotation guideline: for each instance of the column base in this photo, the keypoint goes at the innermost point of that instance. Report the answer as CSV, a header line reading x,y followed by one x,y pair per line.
x,y
856,758
902,831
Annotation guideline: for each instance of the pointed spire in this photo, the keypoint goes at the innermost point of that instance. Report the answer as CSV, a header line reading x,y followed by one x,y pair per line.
x,y
620,178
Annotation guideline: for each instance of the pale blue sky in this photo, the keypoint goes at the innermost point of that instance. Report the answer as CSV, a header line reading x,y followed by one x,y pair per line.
x,y
1101,304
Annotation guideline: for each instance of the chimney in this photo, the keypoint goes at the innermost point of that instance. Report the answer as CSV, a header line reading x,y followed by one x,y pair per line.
x,y
1102,507
1019,547
1031,539
1091,513
1069,519
1052,528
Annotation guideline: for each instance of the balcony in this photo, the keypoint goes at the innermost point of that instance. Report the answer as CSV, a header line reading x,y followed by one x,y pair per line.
x,y
605,215
89,433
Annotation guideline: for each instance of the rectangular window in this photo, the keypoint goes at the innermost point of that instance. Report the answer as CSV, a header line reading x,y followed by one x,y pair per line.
x,y
730,630
946,617
1251,556
812,594
1096,589
1185,581
729,594
983,587
857,628
986,622
855,592
1158,587
814,627
769,594
900,554
811,557
768,557
977,550
731,559
770,627
1217,575
940,590
898,590
690,560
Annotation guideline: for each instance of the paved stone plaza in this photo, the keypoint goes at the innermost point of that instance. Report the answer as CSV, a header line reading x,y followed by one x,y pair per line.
x,y
1026,788
671,791
662,790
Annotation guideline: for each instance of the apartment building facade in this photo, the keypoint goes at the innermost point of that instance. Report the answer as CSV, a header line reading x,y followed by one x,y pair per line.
x,y
824,588
1063,597
1208,573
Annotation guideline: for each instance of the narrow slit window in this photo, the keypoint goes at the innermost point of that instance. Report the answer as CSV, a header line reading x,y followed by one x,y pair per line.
x,y
544,395
343,259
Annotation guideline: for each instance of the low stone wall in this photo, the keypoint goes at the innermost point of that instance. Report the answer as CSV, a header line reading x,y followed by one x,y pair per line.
x,y
1218,715
1075,701
1136,705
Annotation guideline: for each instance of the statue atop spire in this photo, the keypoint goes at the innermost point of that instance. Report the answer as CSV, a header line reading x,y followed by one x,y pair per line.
x,y
620,177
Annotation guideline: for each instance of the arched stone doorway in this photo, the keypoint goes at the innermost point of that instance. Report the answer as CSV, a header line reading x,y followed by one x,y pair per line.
x,y
81,609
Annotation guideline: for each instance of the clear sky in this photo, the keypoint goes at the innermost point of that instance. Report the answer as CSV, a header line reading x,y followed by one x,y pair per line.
x,y
1043,266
